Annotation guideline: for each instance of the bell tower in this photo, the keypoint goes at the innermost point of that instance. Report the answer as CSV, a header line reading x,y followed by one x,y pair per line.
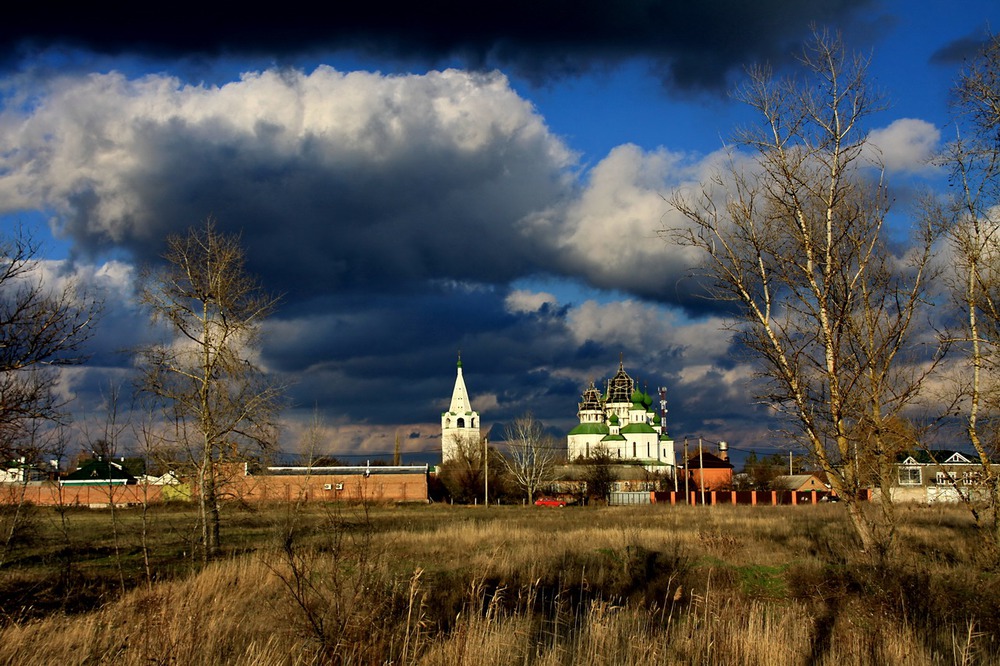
x,y
460,424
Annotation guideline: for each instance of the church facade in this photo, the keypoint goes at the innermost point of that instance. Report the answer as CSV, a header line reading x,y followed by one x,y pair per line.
x,y
622,423
460,424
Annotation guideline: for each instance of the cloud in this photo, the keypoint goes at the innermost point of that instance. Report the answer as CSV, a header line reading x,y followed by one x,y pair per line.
x,y
960,51
522,300
694,45
336,180
346,183
906,145
615,232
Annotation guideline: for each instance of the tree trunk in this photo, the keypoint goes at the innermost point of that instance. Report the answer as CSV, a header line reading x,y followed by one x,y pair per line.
x,y
861,525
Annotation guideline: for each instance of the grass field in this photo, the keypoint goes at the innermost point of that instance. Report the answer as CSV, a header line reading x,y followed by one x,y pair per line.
x,y
503,585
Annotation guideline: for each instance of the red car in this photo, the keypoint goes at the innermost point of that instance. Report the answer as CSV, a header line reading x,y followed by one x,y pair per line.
x,y
549,501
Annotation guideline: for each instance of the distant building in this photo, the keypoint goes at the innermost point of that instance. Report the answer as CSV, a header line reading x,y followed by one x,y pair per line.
x,y
622,423
99,472
21,471
460,424
708,471
938,475
798,482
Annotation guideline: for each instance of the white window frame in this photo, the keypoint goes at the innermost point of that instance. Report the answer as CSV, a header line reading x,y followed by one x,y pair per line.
x,y
905,476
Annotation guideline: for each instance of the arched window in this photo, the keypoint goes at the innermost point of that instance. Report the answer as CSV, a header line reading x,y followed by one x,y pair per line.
x,y
460,423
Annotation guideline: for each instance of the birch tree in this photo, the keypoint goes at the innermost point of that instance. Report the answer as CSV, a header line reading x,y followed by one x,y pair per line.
x,y
204,375
792,233
972,229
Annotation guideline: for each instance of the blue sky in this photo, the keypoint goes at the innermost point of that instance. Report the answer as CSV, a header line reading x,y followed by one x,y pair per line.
x,y
417,183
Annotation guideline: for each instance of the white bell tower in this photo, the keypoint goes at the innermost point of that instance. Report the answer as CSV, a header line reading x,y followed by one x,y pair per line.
x,y
460,424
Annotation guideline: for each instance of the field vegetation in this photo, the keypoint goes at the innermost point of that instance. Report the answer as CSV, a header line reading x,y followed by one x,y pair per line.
x,y
499,585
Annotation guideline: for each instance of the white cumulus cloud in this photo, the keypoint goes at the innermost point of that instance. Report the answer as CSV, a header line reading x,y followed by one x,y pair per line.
x,y
906,145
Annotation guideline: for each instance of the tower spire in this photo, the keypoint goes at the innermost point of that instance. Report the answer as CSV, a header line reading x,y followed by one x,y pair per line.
x,y
460,424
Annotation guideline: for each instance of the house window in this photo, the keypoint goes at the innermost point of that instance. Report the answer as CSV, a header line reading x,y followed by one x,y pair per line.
x,y
944,479
909,476
972,478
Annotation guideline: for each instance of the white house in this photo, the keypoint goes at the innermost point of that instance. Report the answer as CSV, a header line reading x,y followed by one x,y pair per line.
x,y
622,423
460,424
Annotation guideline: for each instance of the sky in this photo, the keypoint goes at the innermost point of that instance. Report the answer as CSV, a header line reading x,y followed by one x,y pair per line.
x,y
422,181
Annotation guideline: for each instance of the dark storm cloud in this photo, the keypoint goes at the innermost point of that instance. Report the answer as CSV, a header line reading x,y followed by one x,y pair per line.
x,y
392,359
695,44
337,182
348,184
416,339
961,50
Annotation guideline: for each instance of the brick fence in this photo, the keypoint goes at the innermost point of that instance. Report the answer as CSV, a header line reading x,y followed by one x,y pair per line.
x,y
748,497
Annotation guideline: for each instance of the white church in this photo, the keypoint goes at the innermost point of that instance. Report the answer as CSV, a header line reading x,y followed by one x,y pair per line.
x,y
623,423
460,424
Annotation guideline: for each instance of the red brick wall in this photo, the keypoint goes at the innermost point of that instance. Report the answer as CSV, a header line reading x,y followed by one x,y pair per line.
x,y
50,494
355,487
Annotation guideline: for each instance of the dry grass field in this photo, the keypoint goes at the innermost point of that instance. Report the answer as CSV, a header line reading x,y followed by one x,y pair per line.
x,y
504,585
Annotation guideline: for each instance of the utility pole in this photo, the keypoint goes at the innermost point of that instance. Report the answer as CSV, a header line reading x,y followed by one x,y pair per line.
x,y
790,471
687,475
701,464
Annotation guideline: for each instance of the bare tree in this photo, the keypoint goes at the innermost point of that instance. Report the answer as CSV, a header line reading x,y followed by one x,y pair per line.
x,y
530,458
972,228
204,375
41,328
599,474
793,238
464,473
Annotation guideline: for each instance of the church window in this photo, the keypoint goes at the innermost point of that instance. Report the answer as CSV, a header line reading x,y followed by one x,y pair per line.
x,y
461,423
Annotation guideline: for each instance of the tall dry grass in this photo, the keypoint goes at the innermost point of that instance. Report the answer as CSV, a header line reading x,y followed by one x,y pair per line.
x,y
730,585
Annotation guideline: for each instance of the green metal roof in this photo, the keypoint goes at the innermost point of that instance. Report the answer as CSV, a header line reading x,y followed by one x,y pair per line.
x,y
590,429
637,428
